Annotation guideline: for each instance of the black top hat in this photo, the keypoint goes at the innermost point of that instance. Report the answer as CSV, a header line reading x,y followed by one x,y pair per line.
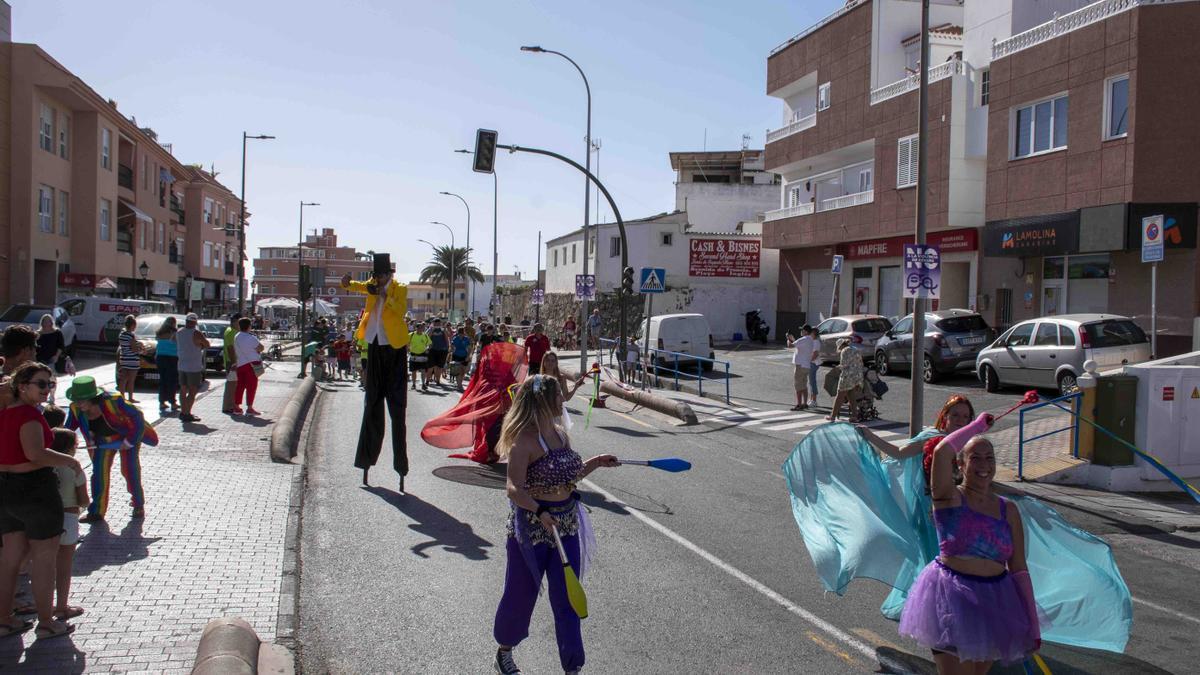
x,y
383,264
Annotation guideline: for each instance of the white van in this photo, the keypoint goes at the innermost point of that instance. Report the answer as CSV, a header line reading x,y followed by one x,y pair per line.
x,y
683,333
94,316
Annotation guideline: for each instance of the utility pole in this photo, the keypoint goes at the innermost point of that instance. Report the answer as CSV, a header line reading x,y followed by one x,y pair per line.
x,y
537,280
916,403
241,269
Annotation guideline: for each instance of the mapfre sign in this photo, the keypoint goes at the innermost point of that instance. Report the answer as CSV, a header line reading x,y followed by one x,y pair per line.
x,y
739,258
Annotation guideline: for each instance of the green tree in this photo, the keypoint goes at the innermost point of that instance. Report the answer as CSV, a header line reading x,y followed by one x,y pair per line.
x,y
445,259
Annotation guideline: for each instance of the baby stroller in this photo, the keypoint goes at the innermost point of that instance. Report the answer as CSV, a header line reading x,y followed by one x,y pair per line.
x,y
873,388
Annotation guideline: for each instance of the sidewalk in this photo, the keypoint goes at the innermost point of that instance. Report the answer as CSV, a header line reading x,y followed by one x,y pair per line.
x,y
212,544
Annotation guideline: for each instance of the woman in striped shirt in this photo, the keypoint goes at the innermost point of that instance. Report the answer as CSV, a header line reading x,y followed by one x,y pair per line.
x,y
129,359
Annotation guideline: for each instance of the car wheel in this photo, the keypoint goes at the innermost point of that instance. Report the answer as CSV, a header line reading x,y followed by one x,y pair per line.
x,y
1066,383
929,374
991,382
881,363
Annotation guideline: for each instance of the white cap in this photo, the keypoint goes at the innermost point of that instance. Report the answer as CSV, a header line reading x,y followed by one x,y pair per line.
x,y
191,317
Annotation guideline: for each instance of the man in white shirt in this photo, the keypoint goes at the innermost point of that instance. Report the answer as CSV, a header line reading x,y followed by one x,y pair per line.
x,y
802,356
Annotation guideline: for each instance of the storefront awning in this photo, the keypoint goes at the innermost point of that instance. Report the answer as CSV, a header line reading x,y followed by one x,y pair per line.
x,y
140,214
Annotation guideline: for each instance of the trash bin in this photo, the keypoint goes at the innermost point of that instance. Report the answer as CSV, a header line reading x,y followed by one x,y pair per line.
x,y
1116,410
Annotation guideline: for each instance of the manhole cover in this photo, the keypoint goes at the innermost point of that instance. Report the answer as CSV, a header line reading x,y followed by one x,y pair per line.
x,y
490,476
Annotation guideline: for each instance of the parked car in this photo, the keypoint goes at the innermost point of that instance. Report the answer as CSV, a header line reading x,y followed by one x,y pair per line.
x,y
147,327
1049,352
214,330
687,334
863,331
31,315
953,338
99,319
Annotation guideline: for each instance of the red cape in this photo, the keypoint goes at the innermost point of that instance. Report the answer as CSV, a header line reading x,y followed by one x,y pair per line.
x,y
483,403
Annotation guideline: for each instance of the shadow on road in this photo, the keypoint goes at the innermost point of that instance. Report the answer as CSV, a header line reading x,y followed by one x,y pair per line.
x,y
102,548
626,432
446,531
1058,658
480,475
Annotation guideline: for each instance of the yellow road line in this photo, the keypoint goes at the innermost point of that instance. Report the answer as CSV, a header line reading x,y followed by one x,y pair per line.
x,y
632,419
871,636
833,649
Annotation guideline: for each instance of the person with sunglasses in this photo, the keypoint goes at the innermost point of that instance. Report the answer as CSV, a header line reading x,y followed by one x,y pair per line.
x,y
18,346
31,508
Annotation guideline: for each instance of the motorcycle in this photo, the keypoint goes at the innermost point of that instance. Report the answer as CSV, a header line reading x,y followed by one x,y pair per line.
x,y
756,328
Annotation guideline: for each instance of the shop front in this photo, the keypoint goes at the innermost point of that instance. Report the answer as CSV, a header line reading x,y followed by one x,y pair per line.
x,y
873,282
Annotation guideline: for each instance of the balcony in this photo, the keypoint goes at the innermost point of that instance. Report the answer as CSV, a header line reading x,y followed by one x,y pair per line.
x,y
808,208
124,176
1059,25
913,82
790,212
797,125
230,269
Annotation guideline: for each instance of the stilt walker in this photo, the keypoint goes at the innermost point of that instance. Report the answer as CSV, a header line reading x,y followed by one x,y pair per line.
x,y
383,329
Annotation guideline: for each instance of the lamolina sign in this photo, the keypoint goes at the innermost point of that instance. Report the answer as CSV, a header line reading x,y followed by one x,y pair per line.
x,y
1038,235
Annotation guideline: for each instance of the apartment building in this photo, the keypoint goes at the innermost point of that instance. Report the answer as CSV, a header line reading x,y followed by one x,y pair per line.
x,y
91,202
426,301
275,270
1091,128
1035,192
720,189
205,216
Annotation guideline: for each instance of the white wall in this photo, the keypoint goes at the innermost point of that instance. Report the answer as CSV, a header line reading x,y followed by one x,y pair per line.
x,y
983,22
724,306
894,20
717,207
560,274
1029,13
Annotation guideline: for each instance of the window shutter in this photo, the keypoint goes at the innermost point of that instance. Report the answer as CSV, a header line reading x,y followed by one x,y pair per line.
x,y
906,162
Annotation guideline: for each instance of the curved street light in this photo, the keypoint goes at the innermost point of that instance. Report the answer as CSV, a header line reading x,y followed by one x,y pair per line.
x,y
471,282
452,265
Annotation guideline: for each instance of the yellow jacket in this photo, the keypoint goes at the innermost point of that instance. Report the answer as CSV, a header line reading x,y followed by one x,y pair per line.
x,y
395,304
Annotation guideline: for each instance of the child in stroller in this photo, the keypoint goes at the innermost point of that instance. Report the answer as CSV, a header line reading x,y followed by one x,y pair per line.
x,y
873,388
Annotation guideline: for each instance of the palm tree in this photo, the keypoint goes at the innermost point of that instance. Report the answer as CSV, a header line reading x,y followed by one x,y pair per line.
x,y
445,260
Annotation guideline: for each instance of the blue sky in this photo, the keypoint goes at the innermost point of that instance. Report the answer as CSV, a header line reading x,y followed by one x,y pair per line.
x,y
368,100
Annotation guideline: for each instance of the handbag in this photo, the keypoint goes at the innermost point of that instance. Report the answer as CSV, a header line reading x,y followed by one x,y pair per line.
x,y
831,380
259,368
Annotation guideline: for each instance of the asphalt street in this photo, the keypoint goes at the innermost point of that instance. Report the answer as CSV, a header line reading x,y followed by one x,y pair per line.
x,y
700,572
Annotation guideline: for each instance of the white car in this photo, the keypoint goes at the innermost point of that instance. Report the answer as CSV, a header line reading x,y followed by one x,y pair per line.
x,y
31,315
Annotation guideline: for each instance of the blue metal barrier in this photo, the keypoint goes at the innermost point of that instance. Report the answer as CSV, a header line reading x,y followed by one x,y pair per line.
x,y
1073,427
659,356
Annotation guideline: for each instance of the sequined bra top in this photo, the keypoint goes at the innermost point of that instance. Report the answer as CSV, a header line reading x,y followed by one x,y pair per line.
x,y
965,532
558,468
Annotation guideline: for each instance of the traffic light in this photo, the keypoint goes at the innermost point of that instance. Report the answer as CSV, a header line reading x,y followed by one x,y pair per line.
x,y
627,280
485,151
305,283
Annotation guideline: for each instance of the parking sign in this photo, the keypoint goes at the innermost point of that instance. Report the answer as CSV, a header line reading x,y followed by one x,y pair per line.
x,y
922,271
836,268
1152,239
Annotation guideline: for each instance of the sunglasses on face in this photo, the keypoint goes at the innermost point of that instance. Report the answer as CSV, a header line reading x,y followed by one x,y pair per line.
x,y
44,384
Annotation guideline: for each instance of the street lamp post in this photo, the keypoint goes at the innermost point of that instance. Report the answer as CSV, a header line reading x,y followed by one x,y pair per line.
x,y
144,270
300,283
587,191
495,230
452,264
242,225
470,282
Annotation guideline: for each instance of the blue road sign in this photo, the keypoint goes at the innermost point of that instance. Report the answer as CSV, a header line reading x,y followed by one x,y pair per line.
x,y
836,268
654,280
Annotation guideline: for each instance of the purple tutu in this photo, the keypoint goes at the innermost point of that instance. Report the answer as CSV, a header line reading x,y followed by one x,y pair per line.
x,y
976,618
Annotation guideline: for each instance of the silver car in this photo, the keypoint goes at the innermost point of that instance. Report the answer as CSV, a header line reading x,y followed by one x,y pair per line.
x,y
953,338
862,330
1049,352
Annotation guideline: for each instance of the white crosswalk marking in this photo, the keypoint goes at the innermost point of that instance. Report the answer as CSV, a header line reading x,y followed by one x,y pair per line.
x,y
812,421
799,423
772,420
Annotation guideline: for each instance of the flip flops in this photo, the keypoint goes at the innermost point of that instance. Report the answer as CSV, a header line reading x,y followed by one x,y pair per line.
x,y
51,631
69,612
9,630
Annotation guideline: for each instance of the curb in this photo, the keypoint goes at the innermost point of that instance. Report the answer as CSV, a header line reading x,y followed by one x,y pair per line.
x,y
286,433
230,646
1130,522
661,404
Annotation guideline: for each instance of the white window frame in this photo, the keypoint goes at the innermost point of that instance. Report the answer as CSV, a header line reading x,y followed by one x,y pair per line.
x,y
906,147
1108,84
208,211
206,254
985,86
64,136
45,209
1012,126
161,237
666,238
105,220
64,210
823,97
869,173
46,128
793,196
105,148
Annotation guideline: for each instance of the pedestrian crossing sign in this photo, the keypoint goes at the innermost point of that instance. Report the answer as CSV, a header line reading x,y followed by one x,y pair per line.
x,y
654,280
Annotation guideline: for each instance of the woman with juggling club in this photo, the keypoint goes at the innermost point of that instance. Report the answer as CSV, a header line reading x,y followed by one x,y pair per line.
x,y
546,523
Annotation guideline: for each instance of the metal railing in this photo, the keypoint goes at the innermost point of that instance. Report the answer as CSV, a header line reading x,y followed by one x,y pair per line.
x,y
1059,25
812,29
1075,399
796,125
790,212
124,176
655,359
846,201
913,82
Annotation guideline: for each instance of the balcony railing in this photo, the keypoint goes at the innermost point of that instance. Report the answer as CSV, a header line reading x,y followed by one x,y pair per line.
x,y
913,82
124,176
851,4
1097,11
797,124
790,212
846,201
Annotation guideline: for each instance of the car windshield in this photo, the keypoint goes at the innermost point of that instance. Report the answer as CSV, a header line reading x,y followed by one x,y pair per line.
x,y
962,324
1114,333
25,314
213,330
871,325
148,327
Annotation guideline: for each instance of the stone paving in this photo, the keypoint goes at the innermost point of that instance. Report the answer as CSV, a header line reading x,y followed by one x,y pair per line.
x,y
212,544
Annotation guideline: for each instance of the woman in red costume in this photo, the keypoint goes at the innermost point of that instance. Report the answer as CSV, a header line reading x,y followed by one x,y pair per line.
x,y
475,420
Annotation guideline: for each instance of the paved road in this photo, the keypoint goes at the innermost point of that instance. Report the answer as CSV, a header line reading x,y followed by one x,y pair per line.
x,y
698,573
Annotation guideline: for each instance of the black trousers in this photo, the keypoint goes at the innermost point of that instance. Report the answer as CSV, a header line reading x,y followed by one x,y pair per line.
x,y
386,380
